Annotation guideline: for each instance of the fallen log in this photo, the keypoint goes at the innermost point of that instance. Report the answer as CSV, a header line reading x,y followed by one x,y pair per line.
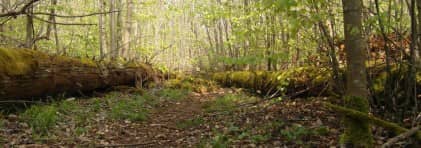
x,y
28,74
290,83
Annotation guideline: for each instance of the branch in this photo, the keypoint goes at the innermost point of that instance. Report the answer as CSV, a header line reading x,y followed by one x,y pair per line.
x,y
59,23
21,11
73,16
402,136
364,116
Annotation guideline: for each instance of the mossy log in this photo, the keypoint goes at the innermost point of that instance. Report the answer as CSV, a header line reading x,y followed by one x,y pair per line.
x,y
28,74
294,82
374,120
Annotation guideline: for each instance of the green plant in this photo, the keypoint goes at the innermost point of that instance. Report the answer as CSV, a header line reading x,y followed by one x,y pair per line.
x,y
295,133
260,138
322,130
190,123
132,110
224,103
80,130
1,123
97,104
67,107
41,118
220,141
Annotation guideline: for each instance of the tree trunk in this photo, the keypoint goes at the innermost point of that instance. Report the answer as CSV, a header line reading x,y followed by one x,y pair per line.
x,y
102,39
127,28
29,30
418,52
31,74
357,131
53,20
113,31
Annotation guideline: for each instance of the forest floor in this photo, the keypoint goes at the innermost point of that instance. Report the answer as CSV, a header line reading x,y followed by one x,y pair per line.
x,y
169,117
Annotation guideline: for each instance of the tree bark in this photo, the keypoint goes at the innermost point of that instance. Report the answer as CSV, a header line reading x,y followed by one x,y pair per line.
x,y
357,131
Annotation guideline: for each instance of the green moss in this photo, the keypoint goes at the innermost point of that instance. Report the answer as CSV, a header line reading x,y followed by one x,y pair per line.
x,y
15,61
357,131
284,81
364,116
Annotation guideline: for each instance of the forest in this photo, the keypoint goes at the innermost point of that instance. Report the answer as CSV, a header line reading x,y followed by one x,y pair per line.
x,y
210,73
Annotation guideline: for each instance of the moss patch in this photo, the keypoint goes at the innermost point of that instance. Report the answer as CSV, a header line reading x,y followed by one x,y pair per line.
x,y
15,61
357,131
285,82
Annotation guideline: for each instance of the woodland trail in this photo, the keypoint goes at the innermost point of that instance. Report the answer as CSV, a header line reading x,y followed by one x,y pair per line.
x,y
161,130
225,117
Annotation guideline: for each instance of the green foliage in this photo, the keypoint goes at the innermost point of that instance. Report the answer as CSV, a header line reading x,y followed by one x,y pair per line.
x,y
132,110
198,85
189,123
357,131
282,82
296,133
41,118
67,107
1,123
80,130
220,141
224,103
173,94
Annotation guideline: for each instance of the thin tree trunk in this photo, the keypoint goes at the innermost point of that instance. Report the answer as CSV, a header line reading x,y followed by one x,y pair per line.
x,y
357,131
102,39
127,28
29,30
113,31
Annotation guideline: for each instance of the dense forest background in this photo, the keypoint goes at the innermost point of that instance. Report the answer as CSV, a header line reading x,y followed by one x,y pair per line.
x,y
248,34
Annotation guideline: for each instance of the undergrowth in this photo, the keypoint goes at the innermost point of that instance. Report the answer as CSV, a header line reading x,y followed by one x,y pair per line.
x,y
189,123
198,85
228,102
132,110
41,119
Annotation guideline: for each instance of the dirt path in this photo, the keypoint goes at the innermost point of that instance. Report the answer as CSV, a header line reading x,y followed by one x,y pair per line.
x,y
161,129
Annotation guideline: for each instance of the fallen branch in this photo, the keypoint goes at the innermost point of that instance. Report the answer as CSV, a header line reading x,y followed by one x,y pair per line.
x,y
377,121
402,136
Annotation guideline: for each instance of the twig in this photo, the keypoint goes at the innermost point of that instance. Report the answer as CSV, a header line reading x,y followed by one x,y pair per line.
x,y
129,145
72,16
59,23
402,136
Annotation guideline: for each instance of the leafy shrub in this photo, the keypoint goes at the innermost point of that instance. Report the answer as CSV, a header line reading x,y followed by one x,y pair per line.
x,y
41,118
